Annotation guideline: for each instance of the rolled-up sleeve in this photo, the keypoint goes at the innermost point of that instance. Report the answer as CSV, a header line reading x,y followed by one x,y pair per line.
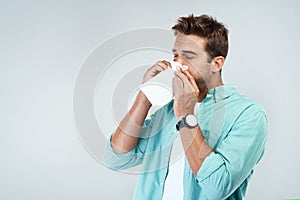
x,y
134,157
225,169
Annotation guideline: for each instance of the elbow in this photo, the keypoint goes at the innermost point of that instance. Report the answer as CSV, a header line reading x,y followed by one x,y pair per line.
x,y
217,186
116,161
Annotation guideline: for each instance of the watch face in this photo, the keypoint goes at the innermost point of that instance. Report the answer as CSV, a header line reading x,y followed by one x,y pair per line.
x,y
191,120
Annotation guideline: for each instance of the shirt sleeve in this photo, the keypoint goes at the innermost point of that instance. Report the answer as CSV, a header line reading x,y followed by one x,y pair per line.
x,y
134,157
225,169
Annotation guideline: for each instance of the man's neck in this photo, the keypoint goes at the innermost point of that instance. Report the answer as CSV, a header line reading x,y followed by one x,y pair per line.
x,y
215,84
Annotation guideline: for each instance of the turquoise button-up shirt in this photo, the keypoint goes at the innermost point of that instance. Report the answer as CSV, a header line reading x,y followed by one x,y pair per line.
x,y
232,124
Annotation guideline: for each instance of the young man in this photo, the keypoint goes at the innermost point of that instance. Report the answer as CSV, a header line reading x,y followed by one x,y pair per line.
x,y
223,138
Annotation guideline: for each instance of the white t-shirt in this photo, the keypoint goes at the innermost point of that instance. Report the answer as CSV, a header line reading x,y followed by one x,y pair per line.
x,y
174,182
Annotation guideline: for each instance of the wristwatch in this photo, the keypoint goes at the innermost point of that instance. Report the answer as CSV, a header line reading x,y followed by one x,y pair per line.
x,y
189,121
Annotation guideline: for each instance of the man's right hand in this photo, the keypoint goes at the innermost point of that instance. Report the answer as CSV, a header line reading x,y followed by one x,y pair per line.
x,y
155,69
127,133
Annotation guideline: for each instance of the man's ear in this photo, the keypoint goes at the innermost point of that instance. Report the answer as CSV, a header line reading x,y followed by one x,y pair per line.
x,y
217,63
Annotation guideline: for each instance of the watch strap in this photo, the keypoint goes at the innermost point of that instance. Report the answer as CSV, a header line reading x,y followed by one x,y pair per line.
x,y
182,123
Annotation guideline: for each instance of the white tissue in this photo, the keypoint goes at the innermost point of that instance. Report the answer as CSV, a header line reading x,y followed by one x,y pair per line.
x,y
176,65
158,89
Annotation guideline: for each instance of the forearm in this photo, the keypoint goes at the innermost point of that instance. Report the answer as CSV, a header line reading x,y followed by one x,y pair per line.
x,y
196,149
127,133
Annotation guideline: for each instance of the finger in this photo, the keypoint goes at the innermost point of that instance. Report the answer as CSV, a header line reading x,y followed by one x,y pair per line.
x,y
177,85
164,64
191,79
178,81
188,74
159,67
182,77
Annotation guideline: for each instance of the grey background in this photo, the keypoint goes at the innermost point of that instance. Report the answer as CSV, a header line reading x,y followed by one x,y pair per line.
x,y
42,47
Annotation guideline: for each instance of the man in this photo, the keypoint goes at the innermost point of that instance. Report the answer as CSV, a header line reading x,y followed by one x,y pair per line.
x,y
223,133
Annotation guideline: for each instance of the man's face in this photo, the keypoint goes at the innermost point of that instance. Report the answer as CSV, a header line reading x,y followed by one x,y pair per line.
x,y
189,50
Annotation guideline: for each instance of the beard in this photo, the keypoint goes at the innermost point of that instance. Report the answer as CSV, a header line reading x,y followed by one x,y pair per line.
x,y
202,86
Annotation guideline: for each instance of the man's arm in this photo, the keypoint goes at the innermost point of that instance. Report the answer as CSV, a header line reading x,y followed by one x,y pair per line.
x,y
127,133
196,149
234,158
186,95
221,170
126,136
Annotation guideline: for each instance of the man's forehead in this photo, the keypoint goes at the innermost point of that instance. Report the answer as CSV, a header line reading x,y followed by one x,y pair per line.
x,y
189,42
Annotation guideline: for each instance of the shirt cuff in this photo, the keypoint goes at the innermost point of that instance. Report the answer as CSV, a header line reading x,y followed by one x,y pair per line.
x,y
211,164
115,160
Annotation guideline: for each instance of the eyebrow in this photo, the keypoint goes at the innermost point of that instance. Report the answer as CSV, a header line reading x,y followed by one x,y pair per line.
x,y
185,51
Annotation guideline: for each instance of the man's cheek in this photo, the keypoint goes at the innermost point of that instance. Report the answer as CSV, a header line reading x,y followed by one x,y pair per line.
x,y
193,68
194,72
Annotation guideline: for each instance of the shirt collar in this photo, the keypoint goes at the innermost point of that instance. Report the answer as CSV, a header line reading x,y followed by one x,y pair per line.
x,y
220,93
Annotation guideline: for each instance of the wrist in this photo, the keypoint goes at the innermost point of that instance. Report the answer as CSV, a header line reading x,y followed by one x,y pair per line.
x,y
142,99
184,113
189,120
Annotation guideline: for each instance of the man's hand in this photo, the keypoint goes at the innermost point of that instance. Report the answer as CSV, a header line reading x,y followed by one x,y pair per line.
x,y
155,69
186,93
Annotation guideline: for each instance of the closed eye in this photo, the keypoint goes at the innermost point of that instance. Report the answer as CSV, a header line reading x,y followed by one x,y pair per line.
x,y
189,57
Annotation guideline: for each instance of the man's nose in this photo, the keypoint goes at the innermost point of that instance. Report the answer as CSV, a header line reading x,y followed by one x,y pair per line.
x,y
179,60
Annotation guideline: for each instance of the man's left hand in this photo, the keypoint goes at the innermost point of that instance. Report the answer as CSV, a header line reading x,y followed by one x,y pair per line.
x,y
186,93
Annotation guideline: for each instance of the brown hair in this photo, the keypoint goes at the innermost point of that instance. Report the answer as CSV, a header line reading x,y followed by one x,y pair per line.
x,y
207,27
